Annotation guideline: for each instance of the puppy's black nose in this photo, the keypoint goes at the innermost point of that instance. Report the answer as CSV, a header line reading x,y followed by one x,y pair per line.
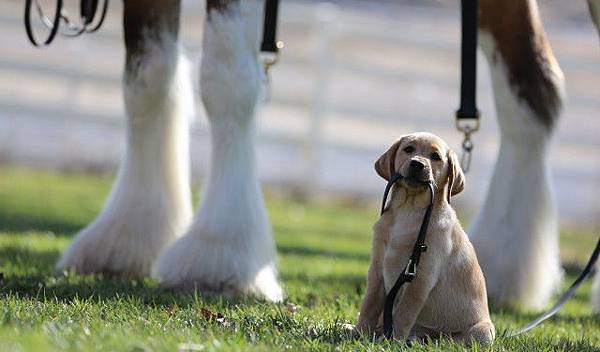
x,y
416,166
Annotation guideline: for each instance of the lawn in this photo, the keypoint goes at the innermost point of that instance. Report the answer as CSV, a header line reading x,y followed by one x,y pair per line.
x,y
323,253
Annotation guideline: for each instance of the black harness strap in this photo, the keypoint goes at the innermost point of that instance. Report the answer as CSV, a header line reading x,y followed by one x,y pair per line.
x,y
564,298
468,82
269,41
410,271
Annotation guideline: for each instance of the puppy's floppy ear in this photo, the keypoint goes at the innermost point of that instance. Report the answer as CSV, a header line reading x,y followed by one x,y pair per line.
x,y
456,177
385,164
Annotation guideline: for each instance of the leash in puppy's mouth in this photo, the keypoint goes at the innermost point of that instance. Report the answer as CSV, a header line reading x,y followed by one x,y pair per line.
x,y
410,271
393,180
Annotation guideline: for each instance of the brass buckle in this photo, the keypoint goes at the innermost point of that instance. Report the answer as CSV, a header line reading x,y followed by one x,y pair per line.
x,y
411,270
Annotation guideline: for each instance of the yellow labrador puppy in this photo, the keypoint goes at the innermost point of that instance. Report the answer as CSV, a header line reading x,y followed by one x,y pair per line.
x,y
448,295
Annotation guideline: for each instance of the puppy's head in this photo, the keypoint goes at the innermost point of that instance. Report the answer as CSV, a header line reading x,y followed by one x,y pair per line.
x,y
420,158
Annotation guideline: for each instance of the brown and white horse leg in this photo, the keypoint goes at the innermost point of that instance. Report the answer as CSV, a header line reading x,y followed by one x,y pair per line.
x,y
594,7
149,205
516,232
229,248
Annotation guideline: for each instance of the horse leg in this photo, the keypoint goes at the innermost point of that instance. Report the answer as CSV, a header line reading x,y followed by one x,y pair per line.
x,y
149,204
229,248
516,232
594,7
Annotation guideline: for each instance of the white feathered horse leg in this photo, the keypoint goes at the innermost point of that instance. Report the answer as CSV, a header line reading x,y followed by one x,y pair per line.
x,y
516,232
594,7
150,202
229,248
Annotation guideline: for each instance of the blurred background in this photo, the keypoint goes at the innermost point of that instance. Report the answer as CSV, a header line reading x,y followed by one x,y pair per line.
x,y
354,75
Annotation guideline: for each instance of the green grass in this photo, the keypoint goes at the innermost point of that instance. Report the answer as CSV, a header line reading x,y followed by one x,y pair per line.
x,y
323,254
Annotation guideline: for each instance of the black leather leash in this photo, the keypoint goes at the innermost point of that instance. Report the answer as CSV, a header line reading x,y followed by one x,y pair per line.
x,y
564,298
88,10
410,270
467,115
395,178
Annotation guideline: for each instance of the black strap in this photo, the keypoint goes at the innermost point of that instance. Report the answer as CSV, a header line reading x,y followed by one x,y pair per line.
x,y
564,298
395,177
89,18
269,41
88,10
410,271
54,26
468,83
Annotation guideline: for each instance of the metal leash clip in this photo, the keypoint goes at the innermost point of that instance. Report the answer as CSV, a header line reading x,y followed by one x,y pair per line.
x,y
269,59
467,127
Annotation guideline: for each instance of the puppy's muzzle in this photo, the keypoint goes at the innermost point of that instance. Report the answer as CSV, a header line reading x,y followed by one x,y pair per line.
x,y
415,167
418,173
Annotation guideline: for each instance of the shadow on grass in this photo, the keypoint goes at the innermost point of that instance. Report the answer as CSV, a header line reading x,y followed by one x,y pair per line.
x,y
547,344
317,252
521,313
328,231
15,223
104,288
27,259
520,318
30,274
343,283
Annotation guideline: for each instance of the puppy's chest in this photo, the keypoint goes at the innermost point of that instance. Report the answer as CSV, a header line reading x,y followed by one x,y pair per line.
x,y
400,237
402,232
399,243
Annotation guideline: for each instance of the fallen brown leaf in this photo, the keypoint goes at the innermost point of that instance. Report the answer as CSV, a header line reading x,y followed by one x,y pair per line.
x,y
211,316
292,308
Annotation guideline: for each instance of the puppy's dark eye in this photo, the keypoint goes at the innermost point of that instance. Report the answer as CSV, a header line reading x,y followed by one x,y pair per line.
x,y
435,156
409,149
